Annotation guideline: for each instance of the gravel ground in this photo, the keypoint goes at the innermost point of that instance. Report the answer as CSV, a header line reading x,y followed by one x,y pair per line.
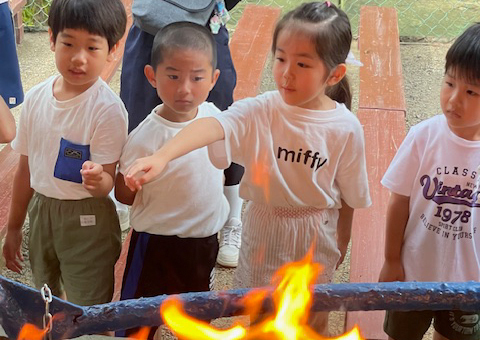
x,y
422,68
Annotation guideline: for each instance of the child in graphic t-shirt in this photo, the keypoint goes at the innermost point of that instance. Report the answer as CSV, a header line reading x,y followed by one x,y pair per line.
x,y
433,212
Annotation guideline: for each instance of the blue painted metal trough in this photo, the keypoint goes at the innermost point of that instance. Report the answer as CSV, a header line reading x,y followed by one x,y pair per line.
x,y
20,304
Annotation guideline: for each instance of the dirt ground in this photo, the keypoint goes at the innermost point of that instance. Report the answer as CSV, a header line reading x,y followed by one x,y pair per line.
x,y
422,69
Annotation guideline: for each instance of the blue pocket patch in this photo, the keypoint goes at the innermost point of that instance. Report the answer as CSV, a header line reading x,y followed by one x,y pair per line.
x,y
70,159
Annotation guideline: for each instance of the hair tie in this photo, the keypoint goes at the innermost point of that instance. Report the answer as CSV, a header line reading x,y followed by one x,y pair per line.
x,y
328,3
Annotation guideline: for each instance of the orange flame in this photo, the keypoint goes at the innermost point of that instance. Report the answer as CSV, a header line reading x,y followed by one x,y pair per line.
x,y
292,299
261,178
31,332
141,334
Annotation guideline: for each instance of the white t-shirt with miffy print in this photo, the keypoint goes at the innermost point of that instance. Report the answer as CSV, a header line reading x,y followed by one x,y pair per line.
x,y
294,157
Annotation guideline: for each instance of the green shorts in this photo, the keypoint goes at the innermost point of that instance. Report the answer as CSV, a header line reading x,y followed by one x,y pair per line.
x,y
73,247
453,325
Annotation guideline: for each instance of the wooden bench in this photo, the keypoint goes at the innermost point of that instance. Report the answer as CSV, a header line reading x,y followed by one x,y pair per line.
x,y
17,6
249,46
9,158
382,114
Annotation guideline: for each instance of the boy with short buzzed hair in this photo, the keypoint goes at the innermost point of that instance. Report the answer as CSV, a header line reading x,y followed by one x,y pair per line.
x,y
70,136
176,217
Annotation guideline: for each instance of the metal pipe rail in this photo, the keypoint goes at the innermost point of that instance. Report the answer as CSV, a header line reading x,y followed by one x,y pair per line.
x,y
20,304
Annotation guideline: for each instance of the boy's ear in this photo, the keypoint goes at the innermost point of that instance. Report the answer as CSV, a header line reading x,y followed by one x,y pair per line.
x,y
52,41
111,53
215,76
337,74
150,74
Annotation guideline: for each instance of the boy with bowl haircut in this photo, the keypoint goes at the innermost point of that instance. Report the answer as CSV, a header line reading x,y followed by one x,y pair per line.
x,y
67,123
175,218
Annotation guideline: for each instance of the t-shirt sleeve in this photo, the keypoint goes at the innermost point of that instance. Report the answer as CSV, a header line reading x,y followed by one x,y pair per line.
x,y
352,176
402,171
110,135
20,143
131,151
236,122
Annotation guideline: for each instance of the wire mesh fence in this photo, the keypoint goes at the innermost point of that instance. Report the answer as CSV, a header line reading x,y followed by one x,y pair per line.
x,y
35,14
418,20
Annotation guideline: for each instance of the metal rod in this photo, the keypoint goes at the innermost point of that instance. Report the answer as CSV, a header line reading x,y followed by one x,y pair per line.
x,y
72,321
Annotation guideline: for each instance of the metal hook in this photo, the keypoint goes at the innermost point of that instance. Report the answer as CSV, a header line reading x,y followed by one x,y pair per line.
x,y
47,318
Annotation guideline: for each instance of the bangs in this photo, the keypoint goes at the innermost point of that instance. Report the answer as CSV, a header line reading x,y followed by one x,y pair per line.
x,y
464,73
82,15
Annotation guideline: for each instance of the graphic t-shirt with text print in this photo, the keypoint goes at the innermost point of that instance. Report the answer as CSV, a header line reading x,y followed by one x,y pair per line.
x,y
439,171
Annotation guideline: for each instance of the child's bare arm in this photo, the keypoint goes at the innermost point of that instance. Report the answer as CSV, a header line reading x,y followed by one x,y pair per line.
x,y
397,217
98,179
199,133
21,195
344,229
7,123
122,192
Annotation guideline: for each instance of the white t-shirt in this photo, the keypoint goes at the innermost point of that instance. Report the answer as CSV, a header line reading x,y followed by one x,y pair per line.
x,y
58,136
439,172
2,1
187,198
292,156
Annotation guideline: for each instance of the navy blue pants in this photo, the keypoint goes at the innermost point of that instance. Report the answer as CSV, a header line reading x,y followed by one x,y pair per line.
x,y
140,97
160,264
10,82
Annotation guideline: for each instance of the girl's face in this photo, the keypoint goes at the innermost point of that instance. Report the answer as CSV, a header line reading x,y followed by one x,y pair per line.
x,y
300,75
460,103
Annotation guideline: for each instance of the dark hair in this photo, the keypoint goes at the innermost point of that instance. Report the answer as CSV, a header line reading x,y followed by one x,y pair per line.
x,y
183,35
106,18
331,34
463,57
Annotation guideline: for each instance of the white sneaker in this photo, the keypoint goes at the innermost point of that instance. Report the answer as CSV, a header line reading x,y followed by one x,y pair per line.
x,y
230,240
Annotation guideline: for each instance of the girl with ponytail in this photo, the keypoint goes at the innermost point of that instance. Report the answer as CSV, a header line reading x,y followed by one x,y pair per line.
x,y
302,149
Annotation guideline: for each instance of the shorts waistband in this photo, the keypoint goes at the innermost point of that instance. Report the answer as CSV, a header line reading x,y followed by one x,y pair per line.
x,y
290,212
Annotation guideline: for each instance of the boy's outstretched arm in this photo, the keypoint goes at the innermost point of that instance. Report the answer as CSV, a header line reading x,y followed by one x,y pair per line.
x,y
397,218
21,195
122,193
7,123
344,229
199,133
98,179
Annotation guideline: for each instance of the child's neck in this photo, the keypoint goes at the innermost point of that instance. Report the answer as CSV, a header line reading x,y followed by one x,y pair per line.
x,y
321,103
470,134
167,113
63,90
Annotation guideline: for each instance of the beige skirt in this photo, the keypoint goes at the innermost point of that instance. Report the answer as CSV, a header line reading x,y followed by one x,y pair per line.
x,y
274,236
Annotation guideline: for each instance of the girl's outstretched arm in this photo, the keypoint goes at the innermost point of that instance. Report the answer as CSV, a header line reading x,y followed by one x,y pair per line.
x,y
199,133
7,123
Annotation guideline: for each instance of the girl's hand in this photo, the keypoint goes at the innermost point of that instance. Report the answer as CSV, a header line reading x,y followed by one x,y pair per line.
x,y
91,175
392,271
142,171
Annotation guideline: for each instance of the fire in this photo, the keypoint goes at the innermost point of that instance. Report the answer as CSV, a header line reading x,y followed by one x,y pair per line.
x,y
31,332
292,298
261,178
